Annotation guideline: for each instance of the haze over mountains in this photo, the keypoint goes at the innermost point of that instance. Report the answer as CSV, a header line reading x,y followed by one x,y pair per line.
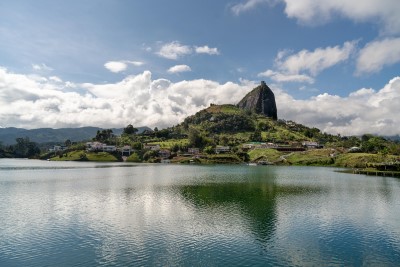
x,y
49,135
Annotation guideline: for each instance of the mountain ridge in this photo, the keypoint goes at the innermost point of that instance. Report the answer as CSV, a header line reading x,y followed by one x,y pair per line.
x,y
49,135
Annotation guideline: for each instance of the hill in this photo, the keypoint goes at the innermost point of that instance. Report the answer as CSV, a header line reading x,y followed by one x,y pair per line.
x,y
49,135
240,125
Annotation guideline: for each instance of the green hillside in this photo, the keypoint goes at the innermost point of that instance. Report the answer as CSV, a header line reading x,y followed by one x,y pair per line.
x,y
241,126
248,137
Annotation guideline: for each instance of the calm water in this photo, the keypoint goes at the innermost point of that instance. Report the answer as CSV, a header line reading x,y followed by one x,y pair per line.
x,y
96,214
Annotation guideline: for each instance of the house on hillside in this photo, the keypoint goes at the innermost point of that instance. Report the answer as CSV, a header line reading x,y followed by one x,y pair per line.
x,y
126,150
57,148
154,147
258,145
193,150
310,144
94,146
354,149
222,149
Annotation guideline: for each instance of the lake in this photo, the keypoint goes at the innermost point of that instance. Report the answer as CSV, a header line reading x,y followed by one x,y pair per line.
x,y
121,214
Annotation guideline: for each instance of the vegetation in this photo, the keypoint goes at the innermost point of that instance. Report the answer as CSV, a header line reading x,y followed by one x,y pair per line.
x,y
315,157
23,148
362,160
82,155
270,155
228,126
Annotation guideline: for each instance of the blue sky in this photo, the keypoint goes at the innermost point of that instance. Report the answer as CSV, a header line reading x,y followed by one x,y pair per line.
x,y
110,63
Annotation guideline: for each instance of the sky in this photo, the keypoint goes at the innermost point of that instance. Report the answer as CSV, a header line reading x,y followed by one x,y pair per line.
x,y
332,64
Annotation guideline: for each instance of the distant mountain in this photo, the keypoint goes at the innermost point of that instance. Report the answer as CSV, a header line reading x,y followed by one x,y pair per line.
x,y
395,138
47,135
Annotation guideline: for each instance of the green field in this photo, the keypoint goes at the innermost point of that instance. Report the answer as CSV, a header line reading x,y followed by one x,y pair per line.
x,y
361,160
316,157
271,155
81,155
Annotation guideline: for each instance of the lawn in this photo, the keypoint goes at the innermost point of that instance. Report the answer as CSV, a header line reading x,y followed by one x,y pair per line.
x,y
82,155
271,155
318,157
360,160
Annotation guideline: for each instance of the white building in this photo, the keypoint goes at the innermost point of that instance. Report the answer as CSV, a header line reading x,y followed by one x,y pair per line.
x,y
97,146
310,144
57,148
222,149
193,150
94,146
154,147
126,150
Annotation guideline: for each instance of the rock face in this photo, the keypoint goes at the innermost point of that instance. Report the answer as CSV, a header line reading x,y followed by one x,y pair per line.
x,y
260,100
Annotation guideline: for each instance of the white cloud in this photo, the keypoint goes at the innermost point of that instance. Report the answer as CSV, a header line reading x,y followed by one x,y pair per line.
x,y
55,79
384,12
282,77
179,68
247,5
206,50
174,50
303,66
314,61
362,111
31,103
135,63
41,67
116,66
377,54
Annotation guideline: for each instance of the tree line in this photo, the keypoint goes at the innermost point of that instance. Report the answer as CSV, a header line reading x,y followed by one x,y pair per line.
x,y
23,148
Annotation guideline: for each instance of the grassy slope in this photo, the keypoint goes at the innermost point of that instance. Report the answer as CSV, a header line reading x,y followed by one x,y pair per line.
x,y
171,142
133,158
360,160
271,155
91,156
315,157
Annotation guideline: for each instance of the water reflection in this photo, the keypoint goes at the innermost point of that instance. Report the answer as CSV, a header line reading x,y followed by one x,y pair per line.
x,y
254,202
196,216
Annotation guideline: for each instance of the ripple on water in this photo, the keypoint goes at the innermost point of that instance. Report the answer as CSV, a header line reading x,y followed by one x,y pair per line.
x,y
196,216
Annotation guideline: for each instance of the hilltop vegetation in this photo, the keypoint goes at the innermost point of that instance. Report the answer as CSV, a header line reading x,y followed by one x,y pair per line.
x,y
229,125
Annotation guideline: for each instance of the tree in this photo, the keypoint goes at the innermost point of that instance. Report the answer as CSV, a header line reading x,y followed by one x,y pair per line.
x,y
209,150
224,140
256,136
196,139
130,129
24,148
137,146
175,148
243,155
104,135
151,154
161,133
262,126
67,143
